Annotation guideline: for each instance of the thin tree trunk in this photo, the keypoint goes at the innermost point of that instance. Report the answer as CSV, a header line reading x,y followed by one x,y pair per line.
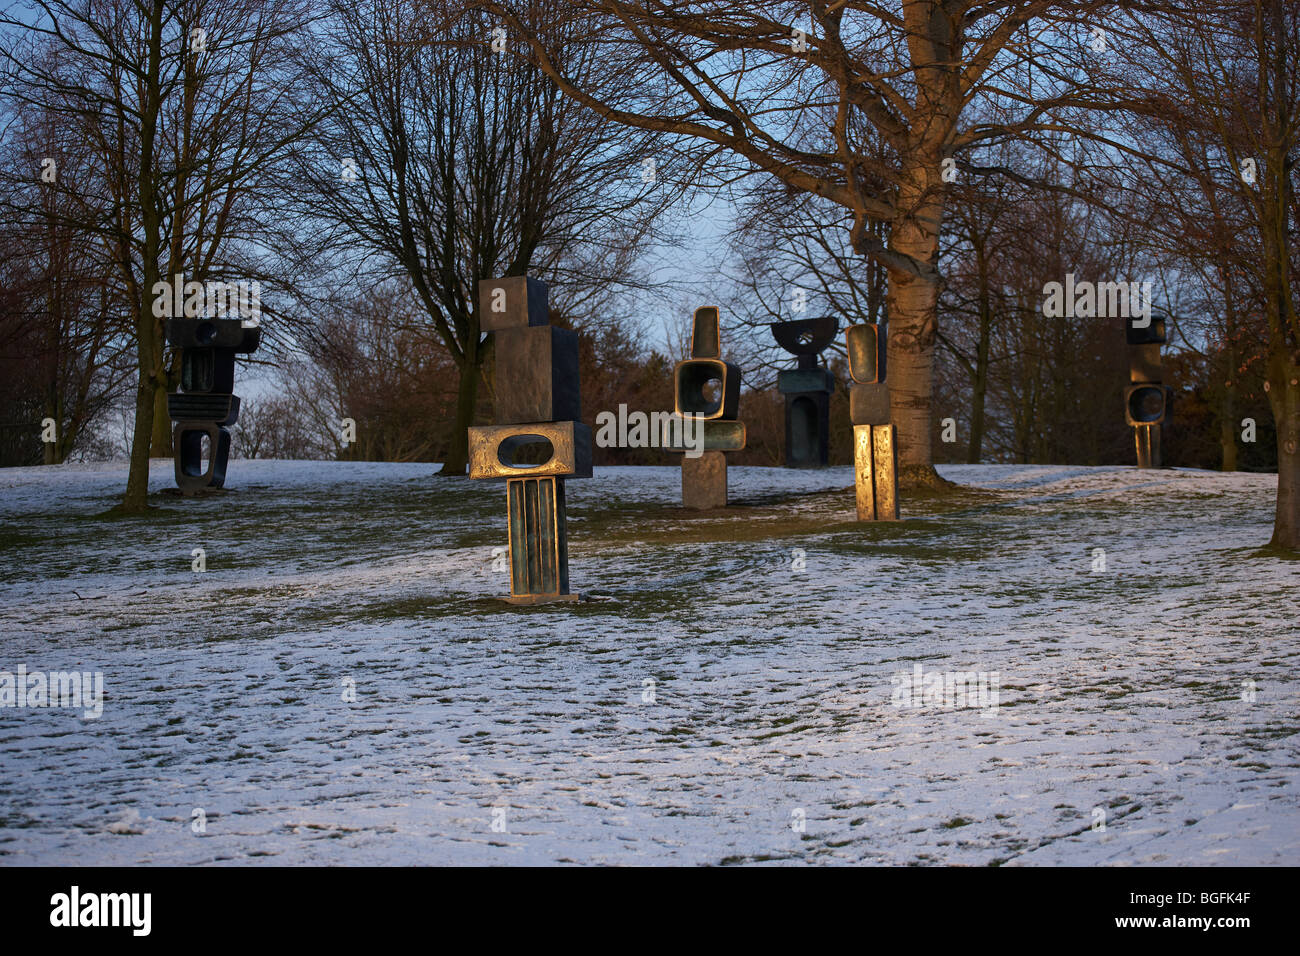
x,y
161,443
136,498
1228,435
1284,396
148,328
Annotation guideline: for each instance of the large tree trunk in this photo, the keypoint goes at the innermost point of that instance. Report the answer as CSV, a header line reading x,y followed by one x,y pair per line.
x,y
912,305
980,380
1284,397
466,403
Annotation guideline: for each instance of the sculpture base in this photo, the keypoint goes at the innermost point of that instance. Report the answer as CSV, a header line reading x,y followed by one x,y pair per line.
x,y
704,481
1146,438
875,460
541,598
538,543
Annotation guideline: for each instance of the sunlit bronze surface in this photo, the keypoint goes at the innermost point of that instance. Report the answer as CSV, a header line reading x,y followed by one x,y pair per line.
x,y
706,333
875,460
570,443
718,436
1146,438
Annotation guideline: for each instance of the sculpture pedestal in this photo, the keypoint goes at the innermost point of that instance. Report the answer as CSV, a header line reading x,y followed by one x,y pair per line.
x,y
1147,440
539,544
704,481
875,461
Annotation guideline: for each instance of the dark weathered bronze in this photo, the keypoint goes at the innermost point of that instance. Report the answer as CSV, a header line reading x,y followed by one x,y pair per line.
x,y
206,404
537,404
807,390
704,477
693,375
1151,334
866,348
1146,400
869,404
718,436
540,366
514,302
538,541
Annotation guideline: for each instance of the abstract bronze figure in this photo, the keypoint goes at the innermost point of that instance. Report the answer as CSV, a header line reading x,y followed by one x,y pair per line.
x,y
1146,399
206,404
704,475
537,406
807,390
875,446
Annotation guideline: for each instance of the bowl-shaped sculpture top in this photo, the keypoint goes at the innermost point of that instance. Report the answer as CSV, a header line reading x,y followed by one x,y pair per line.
x,y
806,336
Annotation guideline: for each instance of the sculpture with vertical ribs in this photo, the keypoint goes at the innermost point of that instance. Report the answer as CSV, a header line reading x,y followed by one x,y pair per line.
x,y
1146,400
704,476
206,404
875,446
537,405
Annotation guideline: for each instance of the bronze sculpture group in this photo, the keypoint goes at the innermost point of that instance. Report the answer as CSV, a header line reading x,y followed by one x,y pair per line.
x,y
537,405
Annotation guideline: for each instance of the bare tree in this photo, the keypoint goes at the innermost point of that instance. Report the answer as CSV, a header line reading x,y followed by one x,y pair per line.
x,y
184,104
452,162
1224,87
803,91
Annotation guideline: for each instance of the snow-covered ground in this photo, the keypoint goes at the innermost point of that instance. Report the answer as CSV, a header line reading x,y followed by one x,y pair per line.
x,y
725,697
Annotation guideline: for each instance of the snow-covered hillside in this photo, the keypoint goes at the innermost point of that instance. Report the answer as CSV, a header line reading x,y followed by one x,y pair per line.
x,y
728,694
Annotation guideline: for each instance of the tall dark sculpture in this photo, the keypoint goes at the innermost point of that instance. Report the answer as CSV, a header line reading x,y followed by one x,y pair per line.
x,y
206,404
875,445
807,390
538,404
1146,400
704,476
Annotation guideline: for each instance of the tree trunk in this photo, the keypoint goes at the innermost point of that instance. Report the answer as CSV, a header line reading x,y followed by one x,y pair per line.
x,y
912,305
161,443
980,380
466,402
1284,397
148,327
136,498
1228,437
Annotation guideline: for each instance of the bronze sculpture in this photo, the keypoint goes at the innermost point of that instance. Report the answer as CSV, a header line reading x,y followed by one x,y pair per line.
x,y
205,406
704,475
875,445
537,404
1146,399
807,390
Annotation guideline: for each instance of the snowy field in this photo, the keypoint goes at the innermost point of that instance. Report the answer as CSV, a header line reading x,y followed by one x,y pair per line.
x,y
725,697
